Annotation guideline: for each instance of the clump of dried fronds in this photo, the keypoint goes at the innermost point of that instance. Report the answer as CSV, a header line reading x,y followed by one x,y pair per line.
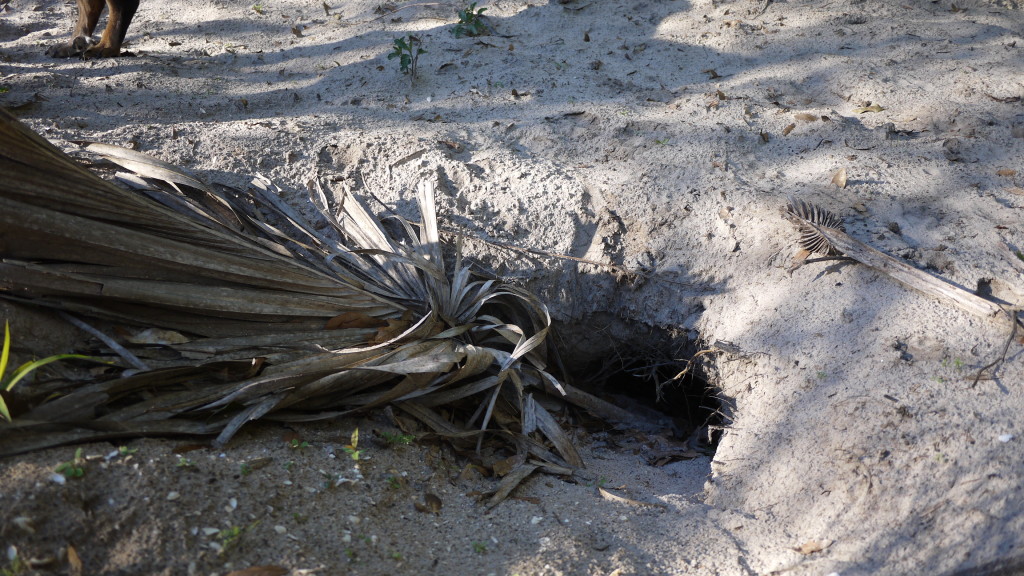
x,y
262,314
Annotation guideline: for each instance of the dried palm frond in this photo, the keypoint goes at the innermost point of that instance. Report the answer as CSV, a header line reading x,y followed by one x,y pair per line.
x,y
822,231
277,317
810,219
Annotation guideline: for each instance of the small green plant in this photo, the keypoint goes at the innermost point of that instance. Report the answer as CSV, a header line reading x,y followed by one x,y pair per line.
x,y
394,482
245,469
480,547
298,445
471,22
5,89
7,384
74,468
661,141
258,8
228,537
185,462
289,465
394,438
408,52
396,556
15,565
1019,254
352,449
123,451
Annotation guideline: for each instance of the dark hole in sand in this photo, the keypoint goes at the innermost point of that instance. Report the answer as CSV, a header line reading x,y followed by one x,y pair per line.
x,y
641,375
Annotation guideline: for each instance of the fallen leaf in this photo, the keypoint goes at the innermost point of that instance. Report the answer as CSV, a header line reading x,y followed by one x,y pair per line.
x,y
871,108
711,73
839,178
1006,172
812,546
788,129
74,561
623,500
805,117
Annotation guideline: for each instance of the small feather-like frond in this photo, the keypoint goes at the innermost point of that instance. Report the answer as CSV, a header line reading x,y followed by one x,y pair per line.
x,y
809,218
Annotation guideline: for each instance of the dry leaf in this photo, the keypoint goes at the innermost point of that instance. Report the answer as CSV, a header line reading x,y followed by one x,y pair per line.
x,y
74,561
1006,172
788,129
623,500
871,108
805,117
812,546
839,178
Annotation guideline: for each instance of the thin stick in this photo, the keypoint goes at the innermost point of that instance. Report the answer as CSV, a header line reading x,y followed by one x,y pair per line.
x,y
1002,355
121,350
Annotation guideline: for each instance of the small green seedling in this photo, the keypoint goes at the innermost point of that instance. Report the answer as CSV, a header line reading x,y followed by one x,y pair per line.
x,y
245,469
229,537
408,51
15,565
7,384
74,468
123,451
480,547
471,22
297,445
185,462
352,449
258,8
394,438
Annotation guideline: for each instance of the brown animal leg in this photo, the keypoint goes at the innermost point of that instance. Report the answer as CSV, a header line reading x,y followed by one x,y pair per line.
x,y
119,16
88,15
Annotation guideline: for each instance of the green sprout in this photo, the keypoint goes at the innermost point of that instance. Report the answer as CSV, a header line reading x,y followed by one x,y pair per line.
x,y
480,547
228,537
408,51
394,438
352,449
297,445
471,22
7,384
258,8
74,468
185,462
245,469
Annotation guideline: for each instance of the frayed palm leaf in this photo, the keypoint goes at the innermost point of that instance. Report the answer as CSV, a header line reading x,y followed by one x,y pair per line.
x,y
822,231
274,318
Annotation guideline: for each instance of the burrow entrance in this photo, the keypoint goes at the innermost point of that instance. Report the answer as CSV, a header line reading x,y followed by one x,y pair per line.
x,y
649,372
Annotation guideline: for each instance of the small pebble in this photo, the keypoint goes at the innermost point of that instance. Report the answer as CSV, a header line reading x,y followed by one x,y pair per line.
x,y
173,496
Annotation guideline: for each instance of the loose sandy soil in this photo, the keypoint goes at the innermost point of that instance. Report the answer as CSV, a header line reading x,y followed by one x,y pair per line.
x,y
661,137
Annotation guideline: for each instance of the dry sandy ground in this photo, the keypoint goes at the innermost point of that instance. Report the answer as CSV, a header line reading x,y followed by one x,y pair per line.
x,y
659,136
